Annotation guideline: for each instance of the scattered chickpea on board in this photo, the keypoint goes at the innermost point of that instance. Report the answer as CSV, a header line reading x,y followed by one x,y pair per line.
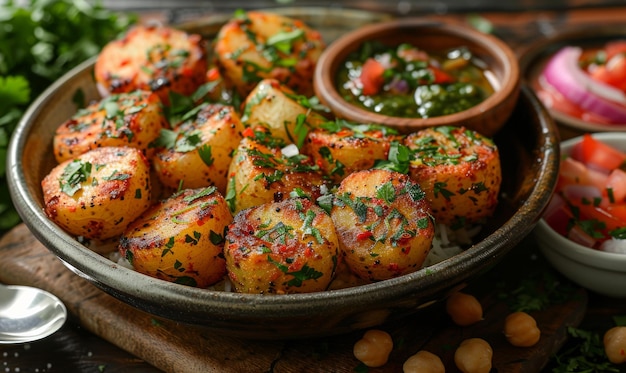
x,y
521,330
615,344
423,362
474,355
374,348
464,309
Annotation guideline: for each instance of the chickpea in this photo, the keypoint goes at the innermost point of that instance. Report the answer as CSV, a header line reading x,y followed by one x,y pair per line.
x,y
374,348
473,356
464,309
615,344
423,362
521,330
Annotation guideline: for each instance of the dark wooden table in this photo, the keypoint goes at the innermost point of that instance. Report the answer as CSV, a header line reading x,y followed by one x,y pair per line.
x,y
75,349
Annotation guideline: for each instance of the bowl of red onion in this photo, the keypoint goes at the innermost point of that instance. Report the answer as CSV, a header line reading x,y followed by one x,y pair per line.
x,y
580,76
583,230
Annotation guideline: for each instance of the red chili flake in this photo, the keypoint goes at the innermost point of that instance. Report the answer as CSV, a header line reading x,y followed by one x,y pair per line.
x,y
308,252
248,132
213,74
364,235
186,71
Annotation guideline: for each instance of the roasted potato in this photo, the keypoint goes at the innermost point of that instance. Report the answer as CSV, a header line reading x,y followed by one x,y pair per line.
x,y
383,222
97,194
286,115
459,170
260,173
180,239
152,58
340,148
281,247
127,119
198,152
256,45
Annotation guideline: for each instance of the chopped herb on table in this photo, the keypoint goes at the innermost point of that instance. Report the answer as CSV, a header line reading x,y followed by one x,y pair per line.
x,y
39,42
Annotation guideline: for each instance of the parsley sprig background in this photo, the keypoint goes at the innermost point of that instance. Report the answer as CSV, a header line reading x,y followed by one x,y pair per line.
x,y
40,41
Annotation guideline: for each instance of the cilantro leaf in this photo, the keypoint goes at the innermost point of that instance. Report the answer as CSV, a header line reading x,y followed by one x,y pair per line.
x,y
39,42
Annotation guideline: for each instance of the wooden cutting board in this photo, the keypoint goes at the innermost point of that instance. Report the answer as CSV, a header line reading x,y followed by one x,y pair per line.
x,y
176,347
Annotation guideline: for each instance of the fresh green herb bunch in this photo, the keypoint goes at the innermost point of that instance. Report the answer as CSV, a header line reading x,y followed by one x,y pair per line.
x,y
39,42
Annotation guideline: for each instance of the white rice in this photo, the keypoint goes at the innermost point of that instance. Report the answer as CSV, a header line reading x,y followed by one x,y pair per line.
x,y
448,243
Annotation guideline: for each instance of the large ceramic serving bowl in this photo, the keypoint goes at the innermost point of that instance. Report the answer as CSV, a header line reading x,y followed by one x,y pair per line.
x,y
529,150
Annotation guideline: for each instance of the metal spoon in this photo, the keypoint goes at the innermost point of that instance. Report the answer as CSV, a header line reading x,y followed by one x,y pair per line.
x,y
28,314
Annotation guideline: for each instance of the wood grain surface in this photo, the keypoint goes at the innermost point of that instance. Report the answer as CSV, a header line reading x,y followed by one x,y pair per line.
x,y
175,347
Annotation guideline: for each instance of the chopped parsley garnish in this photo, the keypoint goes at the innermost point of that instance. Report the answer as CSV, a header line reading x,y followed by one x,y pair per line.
x,y
193,240
115,175
74,174
202,193
357,205
204,151
386,192
309,229
440,188
398,159
231,195
216,238
305,273
278,233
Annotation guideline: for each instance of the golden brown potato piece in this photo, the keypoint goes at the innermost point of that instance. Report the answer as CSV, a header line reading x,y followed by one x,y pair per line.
x,y
180,239
383,222
261,174
153,58
126,119
199,151
340,148
281,247
459,169
97,194
286,115
256,45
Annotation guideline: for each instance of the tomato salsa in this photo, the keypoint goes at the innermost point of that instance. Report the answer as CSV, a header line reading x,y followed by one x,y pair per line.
x,y
409,82
589,204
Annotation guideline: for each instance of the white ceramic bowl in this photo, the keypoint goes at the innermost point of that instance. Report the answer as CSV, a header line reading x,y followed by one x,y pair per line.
x,y
598,271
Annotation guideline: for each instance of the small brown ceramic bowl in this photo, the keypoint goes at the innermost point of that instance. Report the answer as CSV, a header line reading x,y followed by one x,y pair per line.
x,y
487,117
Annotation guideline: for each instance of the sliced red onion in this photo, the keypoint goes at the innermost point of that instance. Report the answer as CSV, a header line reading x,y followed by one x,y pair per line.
x,y
398,86
564,74
577,235
581,192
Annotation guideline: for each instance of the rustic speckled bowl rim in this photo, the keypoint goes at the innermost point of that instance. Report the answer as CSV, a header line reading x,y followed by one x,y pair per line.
x,y
331,58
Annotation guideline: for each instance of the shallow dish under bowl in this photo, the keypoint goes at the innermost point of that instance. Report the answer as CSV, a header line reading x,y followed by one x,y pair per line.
x,y
530,154
486,117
